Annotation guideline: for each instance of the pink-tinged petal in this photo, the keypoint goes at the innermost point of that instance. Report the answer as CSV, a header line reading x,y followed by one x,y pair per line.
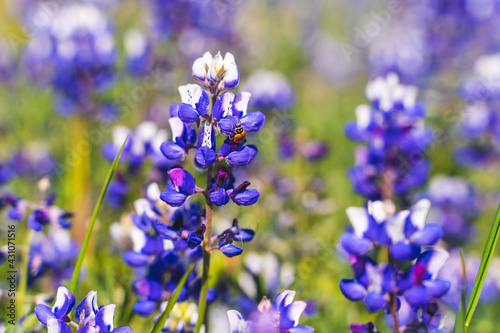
x,y
183,181
87,329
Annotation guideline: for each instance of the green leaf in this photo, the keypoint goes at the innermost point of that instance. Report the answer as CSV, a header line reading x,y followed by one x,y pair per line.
x,y
171,302
79,262
483,270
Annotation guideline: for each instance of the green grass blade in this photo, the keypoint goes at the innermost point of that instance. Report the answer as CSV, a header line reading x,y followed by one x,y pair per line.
x,y
483,270
460,319
81,256
171,302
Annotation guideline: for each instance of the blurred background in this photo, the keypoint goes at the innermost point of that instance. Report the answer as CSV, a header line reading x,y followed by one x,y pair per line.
x,y
307,64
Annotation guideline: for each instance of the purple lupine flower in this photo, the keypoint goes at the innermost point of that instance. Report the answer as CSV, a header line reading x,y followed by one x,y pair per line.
x,y
282,315
138,52
142,144
363,328
270,91
403,232
222,190
90,318
183,138
76,53
371,284
455,204
182,186
420,283
480,121
393,161
235,233
217,71
194,104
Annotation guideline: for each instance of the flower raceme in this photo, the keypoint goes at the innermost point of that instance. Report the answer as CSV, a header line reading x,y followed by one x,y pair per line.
x,y
403,233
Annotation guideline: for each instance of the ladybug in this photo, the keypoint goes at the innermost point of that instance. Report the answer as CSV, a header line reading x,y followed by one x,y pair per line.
x,y
239,134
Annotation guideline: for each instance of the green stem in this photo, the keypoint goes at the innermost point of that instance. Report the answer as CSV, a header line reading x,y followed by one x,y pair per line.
x,y
23,275
171,302
202,304
394,312
78,266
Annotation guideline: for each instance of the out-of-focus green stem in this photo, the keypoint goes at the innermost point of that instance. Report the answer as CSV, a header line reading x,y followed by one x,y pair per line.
x,y
23,275
81,256
79,161
202,304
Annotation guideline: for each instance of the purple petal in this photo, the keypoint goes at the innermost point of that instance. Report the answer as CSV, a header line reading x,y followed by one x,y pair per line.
x,y
437,287
253,121
291,316
417,296
374,301
223,106
354,245
228,124
245,198
352,290
166,232
188,114
231,250
144,308
430,235
124,329
301,329
148,288
182,180
43,313
283,299
173,198
135,259
104,319
242,157
171,150
243,235
205,156
174,110
65,301
404,252
219,197
88,308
